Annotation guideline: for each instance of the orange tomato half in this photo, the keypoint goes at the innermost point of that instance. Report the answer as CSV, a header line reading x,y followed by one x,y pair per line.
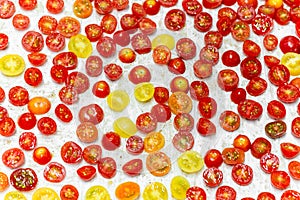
x,y
274,3
153,142
128,191
39,105
3,181
82,8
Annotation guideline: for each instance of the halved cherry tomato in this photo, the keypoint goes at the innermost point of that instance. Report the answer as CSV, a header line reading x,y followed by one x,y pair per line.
x,y
68,26
106,47
55,41
179,186
175,19
54,172
155,190
269,162
147,26
280,179
41,155
27,141
265,195
278,74
12,65
240,30
205,127
294,169
37,58
242,142
291,60
250,109
192,7
209,54
141,43
270,42
228,79
225,192
69,192
103,6
289,150
107,167
92,153
198,89
190,162
260,146
128,190
7,127
275,129
242,174
80,45
135,145
108,23
21,22
183,141
93,32
207,107
111,141
33,41
213,158
151,7
47,24
63,113
133,167
47,125
290,194
87,132
55,6
233,156
144,91
93,66
180,102
229,120
288,93
158,163
153,142
71,152
24,179
250,67
91,113
3,181
214,38
27,121
146,122
13,158
276,110
203,21
296,127
68,60
87,172
139,74
195,192
161,54
183,122
3,41
212,177
82,8
230,58
7,10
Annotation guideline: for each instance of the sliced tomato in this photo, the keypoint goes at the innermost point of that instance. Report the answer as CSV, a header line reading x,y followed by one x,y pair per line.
x,y
269,162
133,167
233,156
294,169
87,172
289,150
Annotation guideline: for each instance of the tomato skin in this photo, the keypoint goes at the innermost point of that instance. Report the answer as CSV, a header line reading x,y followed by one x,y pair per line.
x,y
230,58
280,179
13,158
225,192
121,38
111,141
127,55
213,158
133,167
107,167
151,7
242,142
69,192
86,173
41,155
7,127
27,121
260,146
24,179
71,152
27,141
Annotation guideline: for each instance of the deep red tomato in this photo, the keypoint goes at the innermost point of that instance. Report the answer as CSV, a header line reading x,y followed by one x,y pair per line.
x,y
139,74
228,79
199,89
253,3
33,41
168,3
67,59
279,74
240,30
161,112
207,107
141,43
108,23
135,145
183,141
69,192
175,19
68,95
227,12
92,153
212,177
256,86
224,25
233,156
111,141
294,13
55,41
21,22
289,43
231,58
288,93
47,125
161,55
87,172
24,179
27,141
262,24
55,6
27,121
68,26
93,32
270,42
242,174
250,109
13,158
103,6
260,146
33,76
151,7
246,13
183,122
229,120
209,54
113,71
3,41
147,26
37,58
203,21
290,194
7,9
195,192
289,150
101,89
41,155
78,80
179,84
133,167
63,113
251,48
250,67
214,38
205,127
280,179
211,4
242,142
54,172
271,60
107,167
87,132
59,73
294,169
18,96
225,192
91,113
265,195
120,4
186,48
202,69
138,10
176,65
282,16
192,7
276,110
213,158
71,152
47,24
93,66
296,127
269,162
146,122
106,46
129,23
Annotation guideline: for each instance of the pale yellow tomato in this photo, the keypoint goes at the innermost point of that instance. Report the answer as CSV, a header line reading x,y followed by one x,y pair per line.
x,y
164,39
97,192
190,161
14,195
45,193
125,127
155,191
80,45
118,100
179,185
12,65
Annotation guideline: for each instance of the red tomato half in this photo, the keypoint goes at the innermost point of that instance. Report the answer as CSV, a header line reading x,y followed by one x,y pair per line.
x,y
107,167
71,152
13,158
280,179
225,192
54,172
242,174
175,19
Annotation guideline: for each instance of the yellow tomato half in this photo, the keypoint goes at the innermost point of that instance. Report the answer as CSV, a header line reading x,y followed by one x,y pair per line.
x,y
164,39
118,100
190,162
155,191
14,195
144,92
292,61
12,65
45,193
125,127
80,45
179,185
97,192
